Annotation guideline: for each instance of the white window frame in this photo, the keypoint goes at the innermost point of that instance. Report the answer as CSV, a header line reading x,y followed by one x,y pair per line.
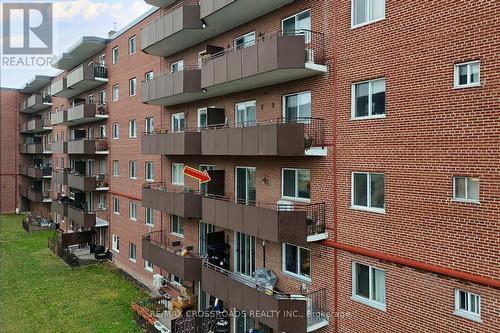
x,y
300,93
148,76
132,41
115,55
132,211
130,246
243,36
116,206
180,222
174,166
102,132
180,66
102,59
115,93
101,201
307,32
368,194
296,198
176,117
115,245
115,131
150,212
466,199
370,98
467,313
364,300
146,168
132,169
132,129
294,274
456,75
370,20
148,266
116,168
132,87
151,121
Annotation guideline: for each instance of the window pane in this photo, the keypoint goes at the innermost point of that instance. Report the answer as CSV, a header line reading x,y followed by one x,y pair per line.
x,y
291,264
304,183
361,100
378,9
462,74
360,189
474,73
462,300
289,183
460,187
241,184
289,25
251,186
360,11
291,107
362,280
305,262
378,97
473,189
378,286
377,190
304,105
474,304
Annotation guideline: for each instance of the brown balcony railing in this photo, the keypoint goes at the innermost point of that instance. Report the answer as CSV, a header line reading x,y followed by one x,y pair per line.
x,y
314,44
162,239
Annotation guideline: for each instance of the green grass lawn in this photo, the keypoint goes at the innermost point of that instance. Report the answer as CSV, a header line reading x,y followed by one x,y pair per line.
x,y
40,293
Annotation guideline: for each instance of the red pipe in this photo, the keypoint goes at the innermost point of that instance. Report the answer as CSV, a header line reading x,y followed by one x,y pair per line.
x,y
495,283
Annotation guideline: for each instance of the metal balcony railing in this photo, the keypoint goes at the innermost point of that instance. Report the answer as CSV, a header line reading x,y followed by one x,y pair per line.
x,y
314,44
161,186
100,71
170,72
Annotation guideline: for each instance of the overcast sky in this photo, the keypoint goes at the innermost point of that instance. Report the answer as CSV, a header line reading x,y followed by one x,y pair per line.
x,y
72,20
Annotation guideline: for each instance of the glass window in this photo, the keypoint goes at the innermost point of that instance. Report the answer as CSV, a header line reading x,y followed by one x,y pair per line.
x,y
244,254
132,252
132,87
297,107
368,285
177,225
102,97
297,261
245,40
246,113
467,305
178,124
116,206
178,173
115,94
132,211
115,55
148,266
149,125
149,171
132,129
245,185
368,191
368,99
149,76
202,117
132,45
149,216
132,169
296,183
177,66
298,24
115,243
366,11
116,130
116,168
466,189
467,74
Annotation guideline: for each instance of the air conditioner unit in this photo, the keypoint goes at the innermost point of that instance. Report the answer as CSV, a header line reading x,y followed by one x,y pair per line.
x,y
284,205
158,280
310,55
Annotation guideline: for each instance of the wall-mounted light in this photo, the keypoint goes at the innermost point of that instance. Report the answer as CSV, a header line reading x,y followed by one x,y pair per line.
x,y
204,90
204,24
265,181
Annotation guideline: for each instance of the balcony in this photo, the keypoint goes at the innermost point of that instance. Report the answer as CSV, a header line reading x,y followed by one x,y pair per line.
x,y
158,250
87,183
86,113
173,88
274,58
223,15
275,137
88,147
36,172
165,142
80,80
242,292
36,125
80,216
36,103
291,222
60,176
60,117
182,203
31,148
159,3
60,206
38,196
59,147
175,30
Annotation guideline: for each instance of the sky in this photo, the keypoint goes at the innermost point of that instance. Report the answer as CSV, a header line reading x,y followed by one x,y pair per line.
x,y
72,20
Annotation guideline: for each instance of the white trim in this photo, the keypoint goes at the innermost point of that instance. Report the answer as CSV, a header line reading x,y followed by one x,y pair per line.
x,y
293,274
115,240
466,199
296,198
283,99
113,59
243,36
246,174
370,98
181,166
134,79
134,37
367,208
465,313
130,134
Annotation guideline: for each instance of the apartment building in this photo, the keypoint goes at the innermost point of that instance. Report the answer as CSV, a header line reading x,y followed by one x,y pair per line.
x,y
362,194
